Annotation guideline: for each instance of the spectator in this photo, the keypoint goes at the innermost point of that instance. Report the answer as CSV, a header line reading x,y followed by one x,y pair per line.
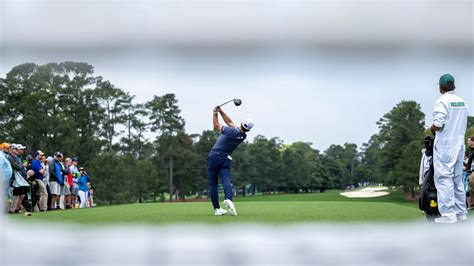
x,y
64,189
20,186
55,180
30,202
83,189
38,168
29,162
469,167
6,173
90,195
46,179
68,184
75,175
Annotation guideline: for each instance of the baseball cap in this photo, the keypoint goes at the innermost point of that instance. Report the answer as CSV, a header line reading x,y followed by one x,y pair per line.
x,y
38,152
20,147
58,154
81,168
445,79
74,159
4,145
247,124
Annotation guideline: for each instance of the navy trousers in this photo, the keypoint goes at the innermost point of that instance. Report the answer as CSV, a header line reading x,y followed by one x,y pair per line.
x,y
219,165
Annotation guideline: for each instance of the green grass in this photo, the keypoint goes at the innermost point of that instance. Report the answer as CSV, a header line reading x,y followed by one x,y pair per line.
x,y
325,207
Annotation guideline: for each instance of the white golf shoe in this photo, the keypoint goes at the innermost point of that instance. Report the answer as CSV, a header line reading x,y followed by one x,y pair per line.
x,y
230,207
219,212
446,220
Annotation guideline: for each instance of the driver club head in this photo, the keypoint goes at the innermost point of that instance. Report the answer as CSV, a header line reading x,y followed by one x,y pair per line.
x,y
237,102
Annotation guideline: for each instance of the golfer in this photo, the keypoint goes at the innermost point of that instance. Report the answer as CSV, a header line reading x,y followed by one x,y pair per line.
x,y
219,161
449,125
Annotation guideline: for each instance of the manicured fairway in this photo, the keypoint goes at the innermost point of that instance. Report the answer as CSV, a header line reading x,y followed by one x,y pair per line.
x,y
272,209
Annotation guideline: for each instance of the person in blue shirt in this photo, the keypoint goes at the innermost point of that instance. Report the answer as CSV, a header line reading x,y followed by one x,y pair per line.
x,y
219,160
83,188
38,168
55,180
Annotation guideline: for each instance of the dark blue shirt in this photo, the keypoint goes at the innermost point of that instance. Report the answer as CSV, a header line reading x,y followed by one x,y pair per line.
x,y
36,166
228,141
58,172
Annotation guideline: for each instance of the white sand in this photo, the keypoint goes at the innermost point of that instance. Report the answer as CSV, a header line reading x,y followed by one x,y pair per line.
x,y
368,192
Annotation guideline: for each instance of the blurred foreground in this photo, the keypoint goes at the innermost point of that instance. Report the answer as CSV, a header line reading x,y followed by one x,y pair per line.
x,y
323,244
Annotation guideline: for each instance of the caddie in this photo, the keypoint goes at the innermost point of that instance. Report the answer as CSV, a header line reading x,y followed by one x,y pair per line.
x,y
449,126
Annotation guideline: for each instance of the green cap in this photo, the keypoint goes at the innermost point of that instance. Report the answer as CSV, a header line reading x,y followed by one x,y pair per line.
x,y
445,79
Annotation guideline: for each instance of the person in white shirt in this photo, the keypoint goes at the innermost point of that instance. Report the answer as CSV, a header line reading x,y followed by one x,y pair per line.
x,y
449,127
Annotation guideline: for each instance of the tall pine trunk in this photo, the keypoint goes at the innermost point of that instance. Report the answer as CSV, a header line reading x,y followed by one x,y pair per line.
x,y
171,179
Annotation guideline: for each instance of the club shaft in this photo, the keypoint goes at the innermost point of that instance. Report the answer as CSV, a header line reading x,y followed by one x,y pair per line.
x,y
226,102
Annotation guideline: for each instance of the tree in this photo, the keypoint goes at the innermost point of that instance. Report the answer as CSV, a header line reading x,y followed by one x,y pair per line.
x,y
165,115
241,167
265,164
114,102
145,176
470,127
470,121
165,118
336,162
370,166
136,126
51,107
303,168
398,128
407,168
114,179
187,177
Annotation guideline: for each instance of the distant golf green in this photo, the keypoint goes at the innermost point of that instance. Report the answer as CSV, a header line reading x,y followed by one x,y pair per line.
x,y
325,207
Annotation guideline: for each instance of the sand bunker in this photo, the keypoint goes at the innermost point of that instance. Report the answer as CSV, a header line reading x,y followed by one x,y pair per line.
x,y
368,192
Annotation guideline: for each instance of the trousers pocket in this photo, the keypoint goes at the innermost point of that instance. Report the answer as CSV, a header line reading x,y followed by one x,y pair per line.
x,y
447,155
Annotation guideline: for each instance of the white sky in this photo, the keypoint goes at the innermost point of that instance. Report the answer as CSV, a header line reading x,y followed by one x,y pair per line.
x,y
316,71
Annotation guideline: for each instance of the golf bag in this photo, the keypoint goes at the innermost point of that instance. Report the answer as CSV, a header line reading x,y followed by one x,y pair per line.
x,y
428,201
32,196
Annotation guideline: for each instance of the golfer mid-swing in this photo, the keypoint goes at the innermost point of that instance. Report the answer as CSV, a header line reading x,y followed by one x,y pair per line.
x,y
219,161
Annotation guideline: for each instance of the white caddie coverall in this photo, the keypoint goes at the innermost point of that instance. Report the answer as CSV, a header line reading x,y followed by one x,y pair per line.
x,y
450,115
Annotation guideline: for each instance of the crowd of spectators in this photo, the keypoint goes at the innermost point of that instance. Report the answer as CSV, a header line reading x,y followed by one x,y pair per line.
x,y
468,173
39,183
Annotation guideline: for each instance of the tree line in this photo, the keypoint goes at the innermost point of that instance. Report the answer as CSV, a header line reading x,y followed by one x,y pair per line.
x,y
67,107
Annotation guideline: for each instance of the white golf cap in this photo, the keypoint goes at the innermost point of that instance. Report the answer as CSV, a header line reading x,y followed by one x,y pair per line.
x,y
18,146
247,124
21,147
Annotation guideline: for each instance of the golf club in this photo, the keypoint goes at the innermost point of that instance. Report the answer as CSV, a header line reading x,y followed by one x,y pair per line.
x,y
237,102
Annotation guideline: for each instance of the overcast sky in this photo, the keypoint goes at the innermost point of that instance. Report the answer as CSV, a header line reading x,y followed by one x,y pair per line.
x,y
315,71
